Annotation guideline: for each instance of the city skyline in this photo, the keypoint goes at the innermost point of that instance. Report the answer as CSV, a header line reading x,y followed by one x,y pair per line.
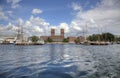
x,y
38,17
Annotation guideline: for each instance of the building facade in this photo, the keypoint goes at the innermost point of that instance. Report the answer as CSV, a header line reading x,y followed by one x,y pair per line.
x,y
9,40
57,38
71,39
45,38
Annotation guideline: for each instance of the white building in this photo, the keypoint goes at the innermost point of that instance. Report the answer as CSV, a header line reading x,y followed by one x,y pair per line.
x,y
10,40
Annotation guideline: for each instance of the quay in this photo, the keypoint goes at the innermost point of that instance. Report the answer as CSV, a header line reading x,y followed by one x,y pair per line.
x,y
96,43
100,43
26,43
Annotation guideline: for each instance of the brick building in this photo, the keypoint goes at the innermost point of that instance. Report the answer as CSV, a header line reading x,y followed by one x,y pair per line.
x,y
45,38
82,39
57,38
71,39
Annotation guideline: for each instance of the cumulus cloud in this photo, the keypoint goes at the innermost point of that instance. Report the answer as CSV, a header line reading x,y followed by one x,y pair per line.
x,y
36,26
65,27
33,26
105,15
3,15
9,30
36,11
75,25
14,3
20,21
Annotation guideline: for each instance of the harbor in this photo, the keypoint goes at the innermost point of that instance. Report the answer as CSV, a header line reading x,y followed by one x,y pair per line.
x,y
59,38
94,39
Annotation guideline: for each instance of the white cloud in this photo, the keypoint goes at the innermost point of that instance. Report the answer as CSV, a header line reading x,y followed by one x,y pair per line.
x,y
36,26
36,11
76,7
20,21
11,27
14,3
38,21
65,27
8,30
33,26
76,25
105,15
2,14
28,23
38,29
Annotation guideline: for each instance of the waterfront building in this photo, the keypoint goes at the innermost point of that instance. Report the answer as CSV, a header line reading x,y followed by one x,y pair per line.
x,y
82,39
57,38
45,38
1,40
54,37
71,39
9,40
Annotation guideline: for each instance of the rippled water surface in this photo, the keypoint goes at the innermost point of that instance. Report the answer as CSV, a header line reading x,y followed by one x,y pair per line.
x,y
59,61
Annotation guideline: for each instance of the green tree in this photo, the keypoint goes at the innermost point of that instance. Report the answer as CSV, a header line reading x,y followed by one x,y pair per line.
x,y
102,37
117,39
49,40
108,37
34,38
77,40
93,37
65,40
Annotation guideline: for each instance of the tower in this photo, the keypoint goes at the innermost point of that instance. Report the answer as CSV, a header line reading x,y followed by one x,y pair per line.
x,y
62,32
52,32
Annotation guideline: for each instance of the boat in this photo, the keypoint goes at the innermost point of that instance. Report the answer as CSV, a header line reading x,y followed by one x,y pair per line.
x,y
27,43
99,43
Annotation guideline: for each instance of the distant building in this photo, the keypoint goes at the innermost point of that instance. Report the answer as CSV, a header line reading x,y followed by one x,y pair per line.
x,y
71,39
1,40
117,36
45,38
9,40
57,38
82,39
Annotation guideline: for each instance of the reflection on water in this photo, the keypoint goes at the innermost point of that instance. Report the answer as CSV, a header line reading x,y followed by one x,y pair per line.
x,y
59,61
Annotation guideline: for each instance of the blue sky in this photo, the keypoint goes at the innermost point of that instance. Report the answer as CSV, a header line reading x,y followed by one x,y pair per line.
x,y
72,15
54,11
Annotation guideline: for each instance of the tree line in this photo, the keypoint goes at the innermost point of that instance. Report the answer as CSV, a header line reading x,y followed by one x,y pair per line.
x,y
102,37
95,37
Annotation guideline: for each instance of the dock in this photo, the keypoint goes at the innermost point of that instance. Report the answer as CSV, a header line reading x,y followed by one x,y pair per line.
x,y
27,43
95,43
99,43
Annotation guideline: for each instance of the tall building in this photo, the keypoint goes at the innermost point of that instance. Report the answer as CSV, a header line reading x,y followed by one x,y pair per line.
x,y
52,32
57,38
62,32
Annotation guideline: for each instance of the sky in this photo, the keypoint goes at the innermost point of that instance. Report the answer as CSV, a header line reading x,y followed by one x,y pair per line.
x,y
75,16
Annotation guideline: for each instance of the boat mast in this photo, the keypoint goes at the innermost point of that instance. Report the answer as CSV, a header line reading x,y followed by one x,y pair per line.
x,y
85,32
20,33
